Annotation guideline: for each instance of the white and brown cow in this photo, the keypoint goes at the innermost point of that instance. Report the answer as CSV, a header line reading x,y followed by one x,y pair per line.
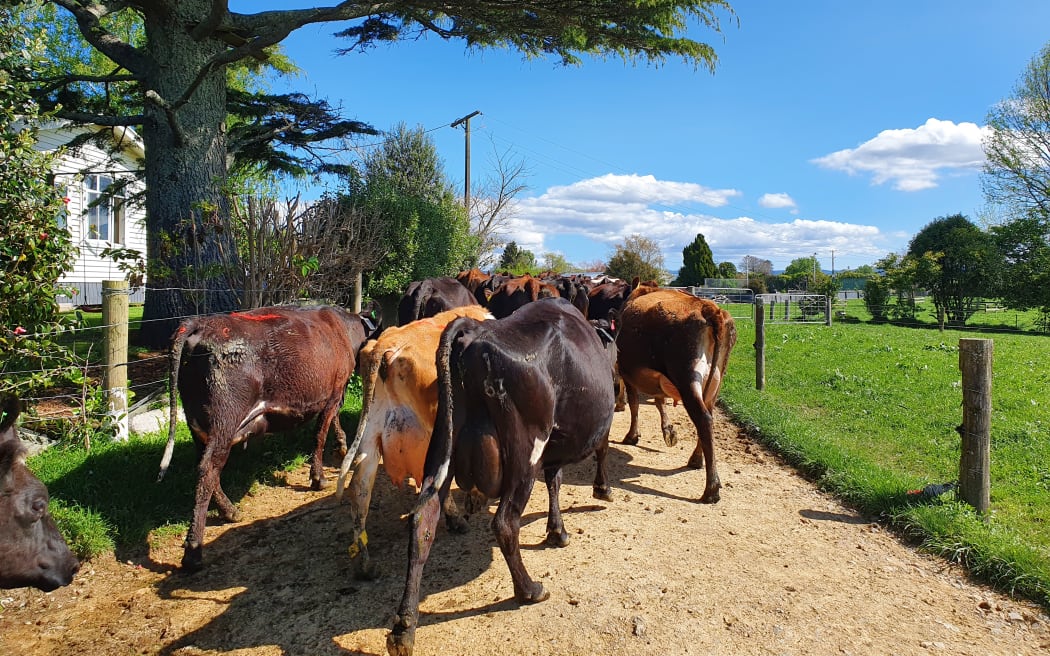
x,y
400,402
674,345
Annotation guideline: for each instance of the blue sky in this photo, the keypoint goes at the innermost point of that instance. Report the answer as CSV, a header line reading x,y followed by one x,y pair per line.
x,y
829,127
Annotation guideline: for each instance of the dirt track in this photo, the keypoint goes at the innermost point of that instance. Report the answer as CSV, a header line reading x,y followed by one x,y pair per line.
x,y
775,568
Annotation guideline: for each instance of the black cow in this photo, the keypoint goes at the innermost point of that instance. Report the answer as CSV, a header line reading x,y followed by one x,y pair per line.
x,y
519,395
425,298
518,291
32,551
607,297
249,373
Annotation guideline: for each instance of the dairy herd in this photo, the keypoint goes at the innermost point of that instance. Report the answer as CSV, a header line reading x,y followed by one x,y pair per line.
x,y
489,381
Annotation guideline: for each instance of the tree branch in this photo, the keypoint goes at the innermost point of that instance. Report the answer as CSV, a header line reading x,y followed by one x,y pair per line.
x,y
88,17
207,27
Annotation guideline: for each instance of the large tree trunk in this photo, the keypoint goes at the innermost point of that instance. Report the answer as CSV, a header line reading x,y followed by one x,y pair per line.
x,y
186,165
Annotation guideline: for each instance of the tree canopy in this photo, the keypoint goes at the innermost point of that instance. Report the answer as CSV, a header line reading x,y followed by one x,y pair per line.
x,y
1017,148
966,265
638,257
698,264
517,260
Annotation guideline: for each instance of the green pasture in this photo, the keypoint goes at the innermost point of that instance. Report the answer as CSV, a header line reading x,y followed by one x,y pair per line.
x,y
870,412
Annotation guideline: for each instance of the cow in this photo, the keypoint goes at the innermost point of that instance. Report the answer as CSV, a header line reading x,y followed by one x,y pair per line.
x,y
425,298
516,292
607,297
674,345
475,281
32,551
399,399
248,373
518,395
573,288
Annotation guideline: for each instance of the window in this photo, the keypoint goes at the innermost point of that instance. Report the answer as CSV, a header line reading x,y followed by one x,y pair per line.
x,y
105,213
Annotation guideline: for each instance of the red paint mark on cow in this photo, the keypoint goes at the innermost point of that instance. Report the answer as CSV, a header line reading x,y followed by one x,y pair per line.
x,y
182,329
226,331
255,317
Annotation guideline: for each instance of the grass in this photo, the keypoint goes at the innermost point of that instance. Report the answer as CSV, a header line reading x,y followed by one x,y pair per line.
x,y
108,498
870,411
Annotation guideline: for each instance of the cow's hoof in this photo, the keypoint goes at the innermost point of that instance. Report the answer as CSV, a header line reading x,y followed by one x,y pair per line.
x,y
401,640
534,595
558,538
456,524
710,496
630,440
318,484
233,516
366,571
603,493
670,436
696,461
476,501
193,559
619,407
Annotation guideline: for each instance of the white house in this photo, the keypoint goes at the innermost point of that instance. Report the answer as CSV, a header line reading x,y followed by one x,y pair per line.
x,y
97,220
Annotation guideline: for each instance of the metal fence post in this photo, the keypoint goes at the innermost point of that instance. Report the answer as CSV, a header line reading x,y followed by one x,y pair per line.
x,y
760,345
115,324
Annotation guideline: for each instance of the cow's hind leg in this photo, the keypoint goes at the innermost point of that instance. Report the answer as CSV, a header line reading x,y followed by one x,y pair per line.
x,y
507,526
704,453
632,402
454,521
666,427
401,639
361,485
556,534
213,459
324,421
601,481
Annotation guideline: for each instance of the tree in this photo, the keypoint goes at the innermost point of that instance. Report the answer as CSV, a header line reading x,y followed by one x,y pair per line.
x,y
1024,246
1017,148
517,260
638,257
494,206
967,264
556,262
697,264
803,273
726,270
751,264
175,80
35,248
405,188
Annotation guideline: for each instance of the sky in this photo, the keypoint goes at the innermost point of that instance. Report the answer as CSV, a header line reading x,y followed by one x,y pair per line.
x,y
829,128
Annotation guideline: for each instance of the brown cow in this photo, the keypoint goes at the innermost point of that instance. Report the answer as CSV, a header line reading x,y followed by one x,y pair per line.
x,y
475,281
32,551
399,403
529,393
249,373
516,292
672,344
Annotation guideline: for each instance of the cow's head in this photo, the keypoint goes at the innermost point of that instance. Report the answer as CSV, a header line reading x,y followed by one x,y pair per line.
x,y
32,551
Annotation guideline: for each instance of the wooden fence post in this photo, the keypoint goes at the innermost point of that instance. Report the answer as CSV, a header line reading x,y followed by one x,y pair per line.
x,y
975,361
760,345
115,323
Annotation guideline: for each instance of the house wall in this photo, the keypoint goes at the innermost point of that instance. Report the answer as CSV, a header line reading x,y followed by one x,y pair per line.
x,y
90,268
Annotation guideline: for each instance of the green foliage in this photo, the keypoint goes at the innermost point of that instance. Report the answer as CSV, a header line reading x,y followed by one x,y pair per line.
x,y
698,264
877,296
1017,160
637,257
404,180
517,260
34,248
870,410
964,267
556,262
803,273
726,270
1024,245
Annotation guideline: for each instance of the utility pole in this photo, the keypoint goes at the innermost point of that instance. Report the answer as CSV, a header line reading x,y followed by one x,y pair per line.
x,y
466,173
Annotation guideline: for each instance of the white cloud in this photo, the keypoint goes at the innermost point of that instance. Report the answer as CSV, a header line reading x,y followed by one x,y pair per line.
x,y
776,201
601,219
913,159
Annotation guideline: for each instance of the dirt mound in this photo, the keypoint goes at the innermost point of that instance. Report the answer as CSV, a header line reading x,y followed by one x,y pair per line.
x,y
775,568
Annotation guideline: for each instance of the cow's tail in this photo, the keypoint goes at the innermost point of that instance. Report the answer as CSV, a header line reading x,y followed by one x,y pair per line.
x,y
439,452
174,359
368,393
724,334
